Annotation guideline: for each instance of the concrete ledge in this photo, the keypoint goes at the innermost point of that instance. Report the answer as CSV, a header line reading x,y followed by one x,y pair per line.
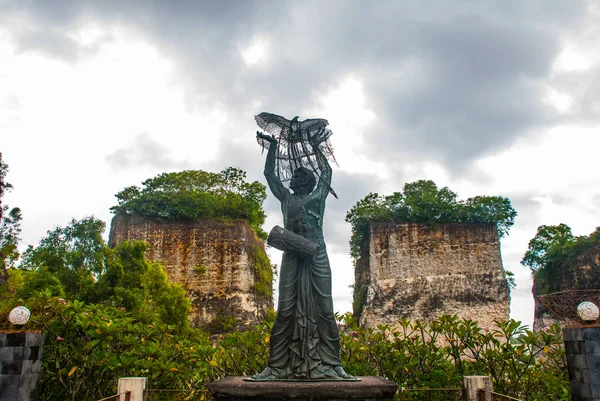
x,y
369,388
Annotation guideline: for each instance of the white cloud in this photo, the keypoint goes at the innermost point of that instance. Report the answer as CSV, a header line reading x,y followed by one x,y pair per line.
x,y
560,101
256,53
349,117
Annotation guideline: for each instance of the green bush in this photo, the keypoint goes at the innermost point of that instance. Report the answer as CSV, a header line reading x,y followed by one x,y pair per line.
x,y
88,347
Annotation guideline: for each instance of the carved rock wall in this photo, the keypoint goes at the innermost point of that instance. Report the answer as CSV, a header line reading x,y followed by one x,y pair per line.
x,y
215,261
410,270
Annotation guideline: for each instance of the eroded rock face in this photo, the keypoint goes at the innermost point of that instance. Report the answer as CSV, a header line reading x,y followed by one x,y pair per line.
x,y
410,270
217,262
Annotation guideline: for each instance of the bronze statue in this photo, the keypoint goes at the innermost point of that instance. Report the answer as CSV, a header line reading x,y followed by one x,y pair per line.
x,y
304,341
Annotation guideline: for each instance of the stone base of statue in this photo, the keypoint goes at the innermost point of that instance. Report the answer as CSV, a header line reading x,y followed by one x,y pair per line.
x,y
368,388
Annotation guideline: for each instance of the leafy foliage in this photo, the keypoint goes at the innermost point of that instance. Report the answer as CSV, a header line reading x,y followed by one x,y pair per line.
x,y
547,240
10,226
195,194
89,346
422,202
555,257
75,255
76,263
523,364
263,272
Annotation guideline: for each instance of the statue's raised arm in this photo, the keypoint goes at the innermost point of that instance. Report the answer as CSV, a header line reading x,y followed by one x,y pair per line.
x,y
275,184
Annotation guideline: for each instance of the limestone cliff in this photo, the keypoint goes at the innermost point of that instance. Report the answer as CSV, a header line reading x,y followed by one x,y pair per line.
x,y
221,264
419,271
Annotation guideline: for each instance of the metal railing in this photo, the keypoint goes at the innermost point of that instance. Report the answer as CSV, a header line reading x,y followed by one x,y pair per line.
x,y
155,394
495,396
127,395
431,394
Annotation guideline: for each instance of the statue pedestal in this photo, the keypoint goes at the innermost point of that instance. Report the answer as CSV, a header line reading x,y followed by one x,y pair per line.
x,y
370,388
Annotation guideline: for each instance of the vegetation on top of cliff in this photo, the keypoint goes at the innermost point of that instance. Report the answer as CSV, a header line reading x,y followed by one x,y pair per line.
x,y
422,202
196,194
556,257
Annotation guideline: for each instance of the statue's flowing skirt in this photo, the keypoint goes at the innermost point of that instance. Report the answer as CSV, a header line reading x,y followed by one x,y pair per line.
x,y
305,337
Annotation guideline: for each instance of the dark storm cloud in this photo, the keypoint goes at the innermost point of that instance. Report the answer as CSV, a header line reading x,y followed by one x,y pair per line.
x,y
447,81
144,151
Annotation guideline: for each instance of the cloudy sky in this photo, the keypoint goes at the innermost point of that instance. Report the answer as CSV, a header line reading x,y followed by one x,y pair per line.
x,y
487,98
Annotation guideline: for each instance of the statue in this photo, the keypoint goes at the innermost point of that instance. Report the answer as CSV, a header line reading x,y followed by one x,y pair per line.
x,y
304,342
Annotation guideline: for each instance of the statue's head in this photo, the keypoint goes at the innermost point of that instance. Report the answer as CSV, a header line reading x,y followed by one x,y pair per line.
x,y
303,181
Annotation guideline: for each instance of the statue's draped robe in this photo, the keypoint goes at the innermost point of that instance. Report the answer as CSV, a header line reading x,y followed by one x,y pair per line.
x,y
305,337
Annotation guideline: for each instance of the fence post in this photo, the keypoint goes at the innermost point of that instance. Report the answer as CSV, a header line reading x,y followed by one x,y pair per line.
x,y
475,383
137,386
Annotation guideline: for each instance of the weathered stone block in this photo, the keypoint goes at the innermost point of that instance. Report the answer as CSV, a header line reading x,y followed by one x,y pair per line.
x,y
32,366
591,334
572,334
583,360
11,367
416,271
34,338
20,365
6,353
28,386
15,339
9,387
32,353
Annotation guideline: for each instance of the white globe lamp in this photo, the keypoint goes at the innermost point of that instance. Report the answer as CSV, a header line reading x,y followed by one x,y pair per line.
x,y
588,312
19,316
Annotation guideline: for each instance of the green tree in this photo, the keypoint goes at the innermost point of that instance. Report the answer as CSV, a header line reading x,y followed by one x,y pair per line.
x,y
428,204
75,255
423,202
195,194
142,287
75,262
547,241
10,228
556,258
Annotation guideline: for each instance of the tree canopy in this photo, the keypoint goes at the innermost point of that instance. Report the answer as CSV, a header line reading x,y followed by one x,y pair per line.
x,y
547,241
423,202
10,227
195,194
556,257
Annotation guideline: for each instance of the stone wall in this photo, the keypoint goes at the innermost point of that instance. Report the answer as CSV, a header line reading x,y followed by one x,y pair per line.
x,y
20,364
410,270
582,346
218,262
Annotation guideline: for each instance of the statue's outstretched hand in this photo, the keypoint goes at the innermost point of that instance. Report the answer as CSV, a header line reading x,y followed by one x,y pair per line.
x,y
268,138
